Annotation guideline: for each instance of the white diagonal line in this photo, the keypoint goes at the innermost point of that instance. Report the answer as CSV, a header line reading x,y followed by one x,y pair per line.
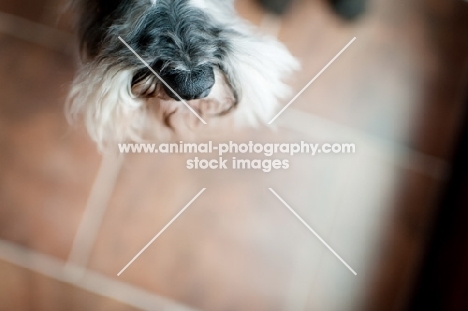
x,y
160,232
154,72
312,81
312,230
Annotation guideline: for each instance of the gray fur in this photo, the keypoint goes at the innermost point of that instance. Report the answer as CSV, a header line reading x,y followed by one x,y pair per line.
x,y
180,38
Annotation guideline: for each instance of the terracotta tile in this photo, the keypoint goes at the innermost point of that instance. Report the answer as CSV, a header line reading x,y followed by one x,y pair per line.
x,y
46,167
237,247
51,13
383,83
22,289
30,9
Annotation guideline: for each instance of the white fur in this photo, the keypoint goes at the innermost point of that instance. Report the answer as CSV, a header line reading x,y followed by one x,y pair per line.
x,y
258,63
111,113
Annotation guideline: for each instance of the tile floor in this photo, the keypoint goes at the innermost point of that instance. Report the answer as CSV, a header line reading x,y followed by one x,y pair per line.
x,y
70,221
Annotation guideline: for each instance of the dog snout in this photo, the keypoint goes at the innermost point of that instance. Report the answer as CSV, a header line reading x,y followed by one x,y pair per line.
x,y
189,84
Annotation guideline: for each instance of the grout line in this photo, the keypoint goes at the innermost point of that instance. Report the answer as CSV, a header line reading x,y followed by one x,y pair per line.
x,y
401,155
431,166
93,282
93,215
36,33
161,231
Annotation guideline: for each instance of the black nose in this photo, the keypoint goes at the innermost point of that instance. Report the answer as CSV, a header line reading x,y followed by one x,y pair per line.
x,y
193,84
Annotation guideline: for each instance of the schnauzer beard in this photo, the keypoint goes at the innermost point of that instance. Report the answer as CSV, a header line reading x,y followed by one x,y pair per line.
x,y
249,69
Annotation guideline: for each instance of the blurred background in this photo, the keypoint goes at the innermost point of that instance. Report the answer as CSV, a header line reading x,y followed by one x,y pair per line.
x,y
70,219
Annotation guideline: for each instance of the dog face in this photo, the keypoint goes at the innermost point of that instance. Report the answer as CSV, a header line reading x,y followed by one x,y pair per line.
x,y
201,49
185,47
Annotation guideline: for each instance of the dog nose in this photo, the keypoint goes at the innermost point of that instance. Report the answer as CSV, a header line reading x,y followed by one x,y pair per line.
x,y
189,84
